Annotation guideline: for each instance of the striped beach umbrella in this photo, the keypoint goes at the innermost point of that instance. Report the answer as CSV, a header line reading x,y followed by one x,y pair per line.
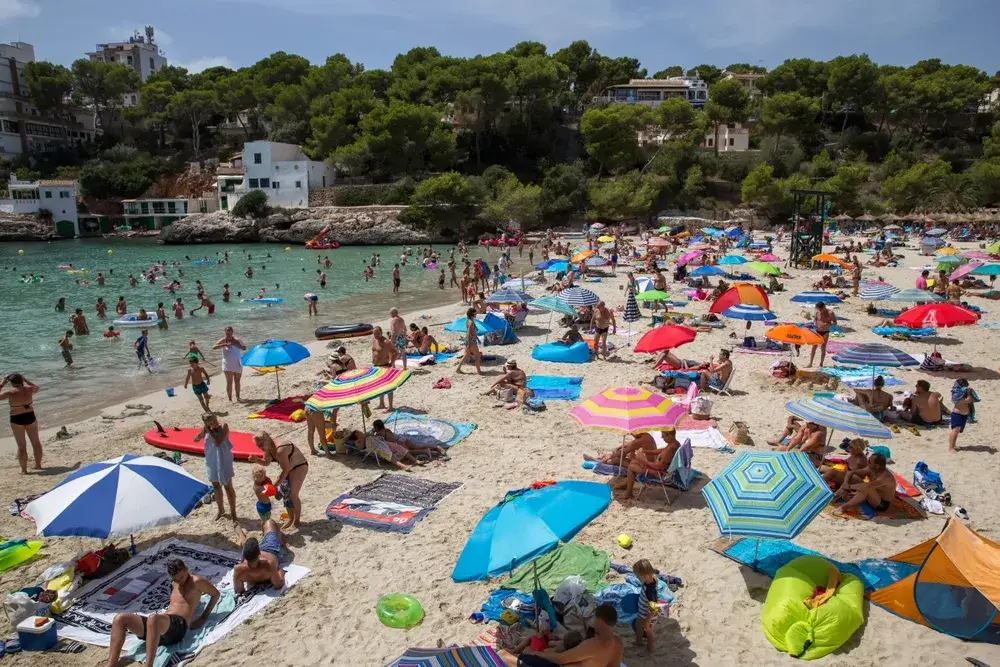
x,y
877,291
455,656
771,495
357,386
749,312
553,304
914,295
628,410
875,354
509,296
631,313
816,297
838,416
579,297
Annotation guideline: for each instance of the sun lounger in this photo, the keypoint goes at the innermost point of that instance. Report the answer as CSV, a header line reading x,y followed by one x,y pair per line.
x,y
679,473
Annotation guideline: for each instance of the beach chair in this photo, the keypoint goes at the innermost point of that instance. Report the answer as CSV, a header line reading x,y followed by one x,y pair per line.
x,y
679,473
692,393
726,390
369,450
519,319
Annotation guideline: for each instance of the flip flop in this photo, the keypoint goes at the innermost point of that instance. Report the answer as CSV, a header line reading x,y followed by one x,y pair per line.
x,y
913,429
894,428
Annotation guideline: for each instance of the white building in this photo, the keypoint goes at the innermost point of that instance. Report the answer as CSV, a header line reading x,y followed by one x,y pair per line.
x,y
282,171
23,129
34,197
160,212
139,53
651,92
733,138
749,80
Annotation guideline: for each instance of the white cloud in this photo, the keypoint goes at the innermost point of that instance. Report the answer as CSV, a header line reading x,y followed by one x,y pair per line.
x,y
121,31
18,9
200,64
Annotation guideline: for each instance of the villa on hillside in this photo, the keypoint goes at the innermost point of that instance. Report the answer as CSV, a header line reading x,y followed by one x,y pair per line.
x,y
56,197
651,92
282,171
733,138
749,80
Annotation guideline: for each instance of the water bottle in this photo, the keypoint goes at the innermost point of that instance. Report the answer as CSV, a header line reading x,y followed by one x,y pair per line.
x,y
176,458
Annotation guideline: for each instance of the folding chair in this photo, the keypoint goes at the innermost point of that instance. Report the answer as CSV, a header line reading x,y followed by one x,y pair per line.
x,y
369,450
726,390
678,475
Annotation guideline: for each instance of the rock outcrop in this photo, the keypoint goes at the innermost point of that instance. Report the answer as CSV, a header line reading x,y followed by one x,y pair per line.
x,y
26,228
362,225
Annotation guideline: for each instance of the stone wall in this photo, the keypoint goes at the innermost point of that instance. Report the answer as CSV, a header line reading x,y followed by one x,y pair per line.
x,y
26,228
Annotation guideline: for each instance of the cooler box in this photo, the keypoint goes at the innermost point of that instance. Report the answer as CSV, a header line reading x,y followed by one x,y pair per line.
x,y
41,638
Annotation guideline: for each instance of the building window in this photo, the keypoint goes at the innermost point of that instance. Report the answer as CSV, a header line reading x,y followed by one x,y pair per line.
x,y
701,94
171,207
265,183
649,96
275,185
732,141
298,185
253,183
158,208
63,195
711,142
145,208
128,59
202,206
152,65
184,207
256,158
223,204
48,194
133,99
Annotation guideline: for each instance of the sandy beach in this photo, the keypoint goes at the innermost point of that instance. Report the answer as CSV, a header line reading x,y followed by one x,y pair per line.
x,y
329,617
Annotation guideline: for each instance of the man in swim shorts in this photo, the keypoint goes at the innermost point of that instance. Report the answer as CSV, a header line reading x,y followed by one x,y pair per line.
x,y
260,559
141,346
924,407
397,333
600,322
604,649
66,347
170,627
395,279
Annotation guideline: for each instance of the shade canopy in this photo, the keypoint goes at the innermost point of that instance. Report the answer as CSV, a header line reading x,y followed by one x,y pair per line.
x,y
665,338
816,296
529,523
357,386
936,315
741,293
509,296
749,313
554,304
628,410
766,494
838,415
794,335
914,295
117,497
579,297
274,352
875,354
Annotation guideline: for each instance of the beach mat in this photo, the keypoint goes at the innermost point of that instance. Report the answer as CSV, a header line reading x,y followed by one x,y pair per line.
x,y
425,359
572,558
142,586
555,387
282,410
391,503
899,510
427,431
771,555
454,656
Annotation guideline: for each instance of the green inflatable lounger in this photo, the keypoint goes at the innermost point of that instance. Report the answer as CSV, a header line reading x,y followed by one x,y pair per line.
x,y
799,631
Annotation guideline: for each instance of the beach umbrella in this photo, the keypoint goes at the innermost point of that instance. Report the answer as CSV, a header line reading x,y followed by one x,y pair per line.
x,y
838,416
665,338
544,264
931,241
607,247
460,326
689,257
976,254
596,261
936,315
937,231
359,385
993,248
706,271
658,243
947,250
987,270
947,259
663,229
606,239
749,312
579,297
765,268
553,304
628,410
529,523
561,266
964,270
770,495
914,295
466,656
832,259
580,256
117,497
652,295
769,257
274,352
892,227
728,260
794,335
644,284
875,354
631,313
508,296
877,291
816,297
744,293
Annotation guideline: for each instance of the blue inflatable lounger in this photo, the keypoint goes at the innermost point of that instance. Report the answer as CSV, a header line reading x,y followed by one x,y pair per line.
x,y
577,353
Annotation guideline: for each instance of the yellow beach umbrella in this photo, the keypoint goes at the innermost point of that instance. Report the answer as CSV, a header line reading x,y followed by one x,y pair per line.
x,y
605,239
580,256
946,251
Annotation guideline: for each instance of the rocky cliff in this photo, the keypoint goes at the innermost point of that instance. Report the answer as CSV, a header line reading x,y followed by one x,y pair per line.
x,y
26,228
362,225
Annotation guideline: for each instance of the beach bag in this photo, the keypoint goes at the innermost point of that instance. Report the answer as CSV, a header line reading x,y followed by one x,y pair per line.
x,y
701,406
927,479
739,433
662,382
112,558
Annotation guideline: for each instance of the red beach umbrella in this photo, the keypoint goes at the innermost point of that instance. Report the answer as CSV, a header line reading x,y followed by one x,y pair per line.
x,y
665,338
936,315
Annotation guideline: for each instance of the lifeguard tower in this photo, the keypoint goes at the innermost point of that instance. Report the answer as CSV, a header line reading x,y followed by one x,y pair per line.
x,y
809,215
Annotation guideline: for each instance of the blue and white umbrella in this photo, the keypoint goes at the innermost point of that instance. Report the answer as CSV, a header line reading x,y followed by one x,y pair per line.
x,y
596,261
914,295
838,416
644,284
705,271
875,354
579,297
117,497
937,231
877,291
749,312
509,296
816,297
932,241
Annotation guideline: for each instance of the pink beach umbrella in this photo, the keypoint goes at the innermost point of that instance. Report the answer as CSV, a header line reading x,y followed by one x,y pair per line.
x,y
628,410
769,257
689,257
977,255
964,270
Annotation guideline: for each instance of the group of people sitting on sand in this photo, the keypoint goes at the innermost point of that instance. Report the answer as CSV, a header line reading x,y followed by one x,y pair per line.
x,y
710,374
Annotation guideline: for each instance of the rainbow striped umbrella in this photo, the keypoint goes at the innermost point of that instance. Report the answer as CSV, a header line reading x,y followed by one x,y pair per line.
x,y
628,410
357,386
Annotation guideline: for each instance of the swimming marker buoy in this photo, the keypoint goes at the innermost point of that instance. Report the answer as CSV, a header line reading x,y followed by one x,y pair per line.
x,y
399,610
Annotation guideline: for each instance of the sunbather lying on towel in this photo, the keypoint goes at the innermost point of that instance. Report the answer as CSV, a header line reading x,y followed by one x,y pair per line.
x,y
654,462
878,491
379,430
668,358
169,627
260,564
639,441
392,452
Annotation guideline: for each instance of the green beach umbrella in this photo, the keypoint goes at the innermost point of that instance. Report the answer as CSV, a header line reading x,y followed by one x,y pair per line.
x,y
652,295
765,268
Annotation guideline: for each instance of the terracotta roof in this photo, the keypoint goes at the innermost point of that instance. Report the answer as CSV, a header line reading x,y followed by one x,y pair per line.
x,y
229,171
57,182
745,75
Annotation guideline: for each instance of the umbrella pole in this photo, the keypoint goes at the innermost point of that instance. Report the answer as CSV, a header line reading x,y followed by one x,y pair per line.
x,y
550,327
277,380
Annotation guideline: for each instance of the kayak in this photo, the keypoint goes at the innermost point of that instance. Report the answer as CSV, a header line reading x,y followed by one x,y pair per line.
x,y
336,331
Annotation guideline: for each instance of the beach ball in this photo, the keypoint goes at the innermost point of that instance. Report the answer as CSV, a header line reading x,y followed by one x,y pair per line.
x,y
624,541
110,251
288,248
20,252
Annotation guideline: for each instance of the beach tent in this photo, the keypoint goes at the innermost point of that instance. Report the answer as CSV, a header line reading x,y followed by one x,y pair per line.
x,y
741,293
502,332
955,589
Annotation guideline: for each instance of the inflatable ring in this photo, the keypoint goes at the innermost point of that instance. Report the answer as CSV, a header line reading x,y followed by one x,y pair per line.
x,y
398,610
337,331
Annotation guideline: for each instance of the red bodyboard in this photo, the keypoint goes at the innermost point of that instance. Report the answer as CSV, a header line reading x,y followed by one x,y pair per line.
x,y
182,440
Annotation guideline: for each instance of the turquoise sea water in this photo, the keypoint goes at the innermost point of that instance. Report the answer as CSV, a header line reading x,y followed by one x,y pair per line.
x,y
105,371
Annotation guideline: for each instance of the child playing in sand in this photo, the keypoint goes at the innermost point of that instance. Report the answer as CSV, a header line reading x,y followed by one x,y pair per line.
x,y
198,378
648,608
261,482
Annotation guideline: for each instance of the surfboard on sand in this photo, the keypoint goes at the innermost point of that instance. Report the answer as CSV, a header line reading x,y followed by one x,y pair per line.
x,y
182,440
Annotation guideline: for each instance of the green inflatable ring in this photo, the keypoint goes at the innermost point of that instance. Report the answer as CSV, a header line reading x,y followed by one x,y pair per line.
x,y
398,610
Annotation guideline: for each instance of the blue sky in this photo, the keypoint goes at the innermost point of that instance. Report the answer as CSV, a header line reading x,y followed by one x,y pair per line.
x,y
202,33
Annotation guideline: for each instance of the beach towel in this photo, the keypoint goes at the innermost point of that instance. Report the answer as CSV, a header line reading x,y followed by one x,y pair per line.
x,y
264,370
689,423
426,431
760,350
425,359
466,656
837,346
554,387
771,555
390,503
708,438
903,487
142,586
506,598
899,510
282,410
572,558
904,332
624,597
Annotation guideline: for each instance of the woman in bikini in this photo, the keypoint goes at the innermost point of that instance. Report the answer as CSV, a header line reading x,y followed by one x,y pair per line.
x,y
293,468
22,417
471,342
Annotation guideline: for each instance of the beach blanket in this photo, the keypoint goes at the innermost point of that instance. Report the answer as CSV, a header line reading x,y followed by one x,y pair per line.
x,y
426,431
899,510
837,346
771,555
425,359
504,598
554,387
391,503
264,370
142,586
572,558
760,350
689,423
888,312
282,410
844,372
904,332
466,656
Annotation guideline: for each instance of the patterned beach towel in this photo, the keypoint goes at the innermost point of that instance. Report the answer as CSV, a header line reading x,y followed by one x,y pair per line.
x,y
428,432
392,503
282,410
